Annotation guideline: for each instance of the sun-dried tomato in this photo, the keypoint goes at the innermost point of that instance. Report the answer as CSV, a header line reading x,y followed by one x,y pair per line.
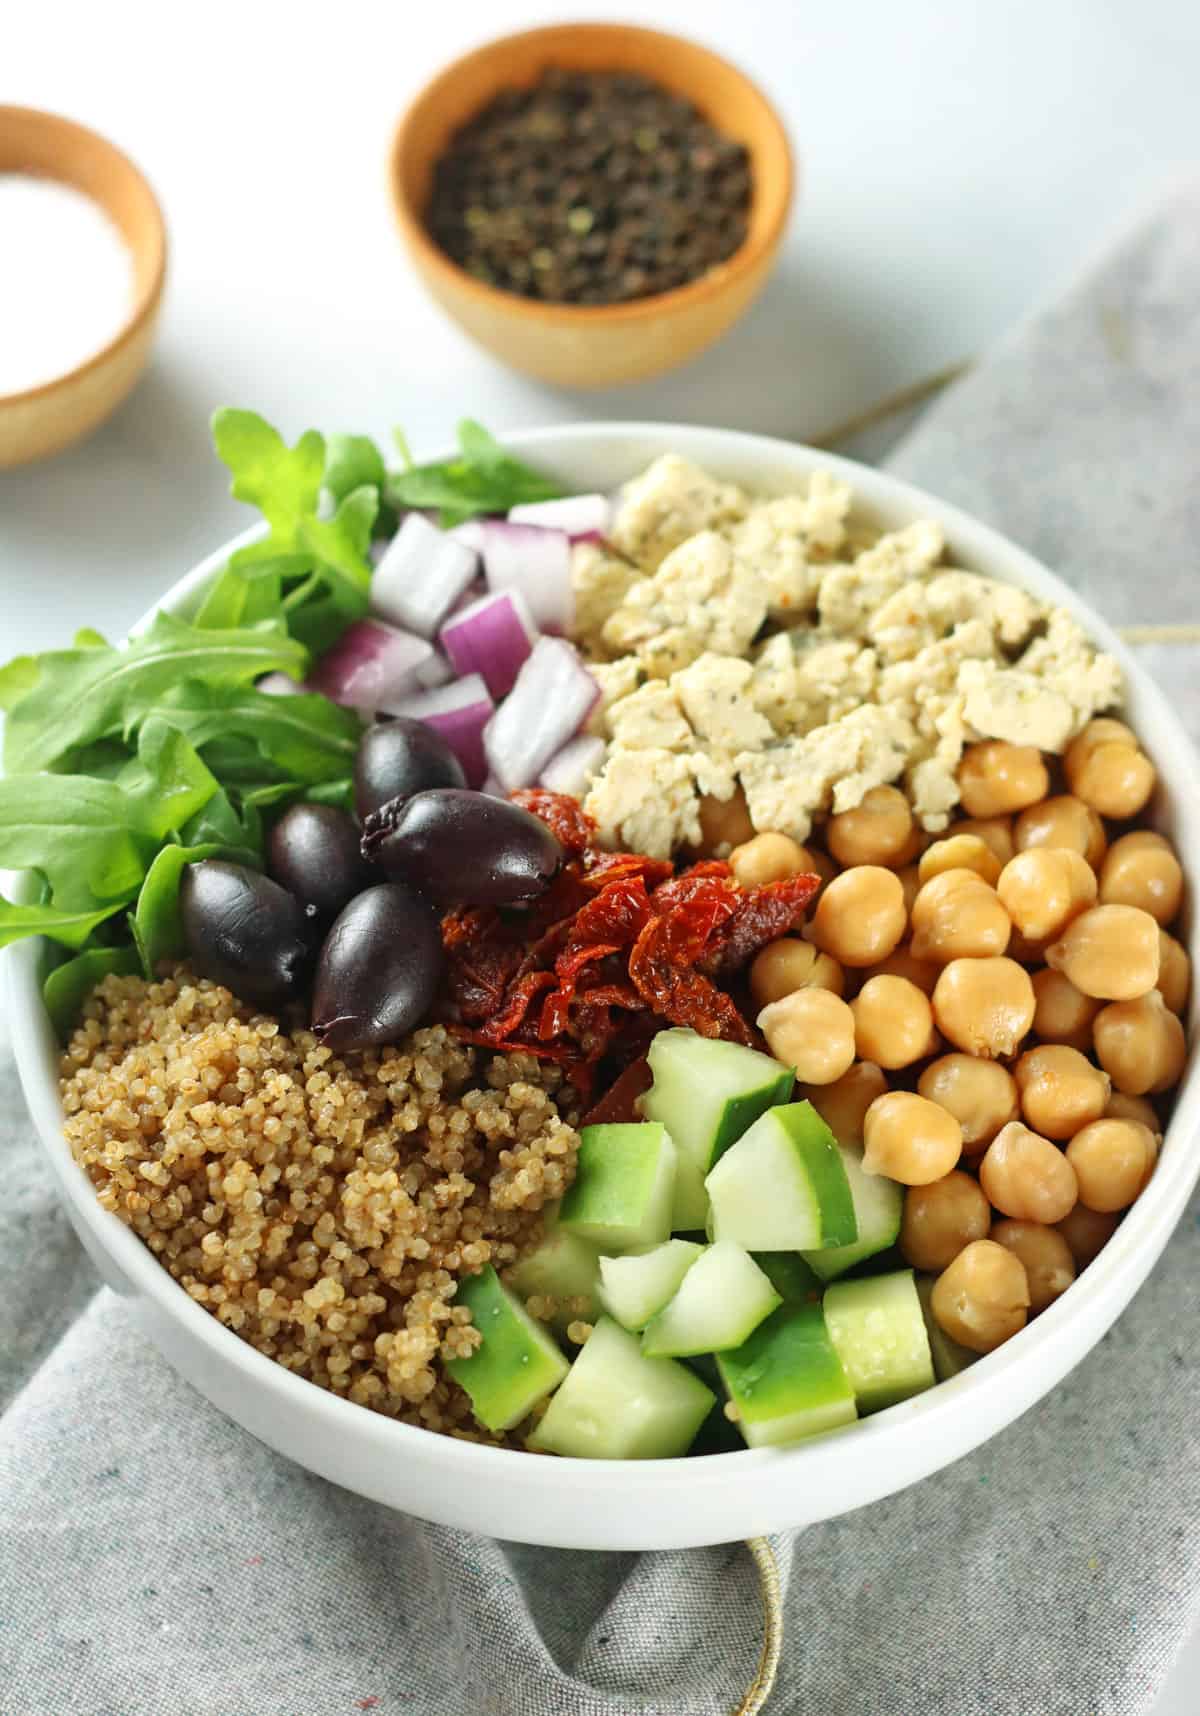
x,y
761,915
564,817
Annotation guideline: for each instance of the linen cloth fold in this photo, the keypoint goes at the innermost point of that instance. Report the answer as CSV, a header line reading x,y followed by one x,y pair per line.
x,y
155,1559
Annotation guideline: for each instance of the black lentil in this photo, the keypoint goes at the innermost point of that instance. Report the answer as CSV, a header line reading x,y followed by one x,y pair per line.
x,y
590,188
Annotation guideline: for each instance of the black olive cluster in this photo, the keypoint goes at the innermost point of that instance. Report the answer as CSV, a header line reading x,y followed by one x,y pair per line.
x,y
352,910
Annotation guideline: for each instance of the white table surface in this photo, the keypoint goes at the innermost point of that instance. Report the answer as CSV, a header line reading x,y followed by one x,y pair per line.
x,y
959,163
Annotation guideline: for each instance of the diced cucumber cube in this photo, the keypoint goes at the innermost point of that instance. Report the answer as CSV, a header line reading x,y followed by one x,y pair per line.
x,y
949,1358
517,1363
624,1178
787,1381
783,1185
617,1404
723,1297
879,1332
564,1268
707,1093
635,1288
790,1276
878,1209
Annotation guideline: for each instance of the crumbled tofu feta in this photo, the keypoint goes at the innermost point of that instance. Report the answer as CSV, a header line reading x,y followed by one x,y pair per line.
x,y
701,598
904,662
651,719
601,580
616,679
669,502
645,801
714,695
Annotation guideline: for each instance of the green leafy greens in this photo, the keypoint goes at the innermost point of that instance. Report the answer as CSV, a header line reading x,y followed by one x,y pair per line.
x,y
126,764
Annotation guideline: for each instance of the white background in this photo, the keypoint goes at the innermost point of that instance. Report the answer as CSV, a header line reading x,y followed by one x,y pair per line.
x,y
959,163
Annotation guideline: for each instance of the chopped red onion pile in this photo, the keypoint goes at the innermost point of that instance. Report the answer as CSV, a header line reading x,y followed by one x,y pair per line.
x,y
536,562
421,576
553,697
371,665
492,636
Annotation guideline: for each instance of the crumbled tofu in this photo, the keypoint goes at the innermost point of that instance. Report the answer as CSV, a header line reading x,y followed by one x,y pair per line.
x,y
714,695
922,611
645,801
669,502
829,768
651,719
788,540
601,580
851,593
701,598
616,679
1004,703
1090,680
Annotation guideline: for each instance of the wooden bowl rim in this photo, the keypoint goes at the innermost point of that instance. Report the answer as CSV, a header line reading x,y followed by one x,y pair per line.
x,y
744,259
146,301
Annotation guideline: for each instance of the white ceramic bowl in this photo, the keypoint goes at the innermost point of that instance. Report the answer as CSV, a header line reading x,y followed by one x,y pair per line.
x,y
665,1504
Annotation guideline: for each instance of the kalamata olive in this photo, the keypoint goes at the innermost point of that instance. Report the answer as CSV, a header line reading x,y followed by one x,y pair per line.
x,y
379,969
399,757
314,853
464,846
244,931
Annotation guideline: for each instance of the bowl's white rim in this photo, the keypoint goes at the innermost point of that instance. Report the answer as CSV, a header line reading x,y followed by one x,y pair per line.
x,y
974,1405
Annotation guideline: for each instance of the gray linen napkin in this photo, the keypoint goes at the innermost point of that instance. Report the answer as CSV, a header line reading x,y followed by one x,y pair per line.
x,y
155,1559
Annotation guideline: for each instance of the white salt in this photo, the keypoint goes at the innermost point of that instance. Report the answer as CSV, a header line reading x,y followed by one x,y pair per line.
x,y
66,280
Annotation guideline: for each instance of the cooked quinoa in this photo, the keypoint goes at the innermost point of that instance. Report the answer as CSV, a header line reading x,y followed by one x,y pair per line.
x,y
323,1207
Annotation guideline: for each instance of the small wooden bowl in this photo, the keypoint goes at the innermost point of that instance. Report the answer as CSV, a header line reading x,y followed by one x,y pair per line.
x,y
42,420
594,345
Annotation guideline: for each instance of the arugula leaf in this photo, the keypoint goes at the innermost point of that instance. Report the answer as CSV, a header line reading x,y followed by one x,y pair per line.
x,y
83,835
221,824
155,921
17,677
166,783
340,794
70,927
283,482
351,461
86,694
67,986
307,736
484,478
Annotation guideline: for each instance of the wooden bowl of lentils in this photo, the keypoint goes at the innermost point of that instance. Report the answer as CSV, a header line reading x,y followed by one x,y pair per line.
x,y
593,203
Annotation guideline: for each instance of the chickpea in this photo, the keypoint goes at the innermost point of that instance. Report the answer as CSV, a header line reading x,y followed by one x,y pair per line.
x,y
766,858
957,916
960,852
789,964
724,823
941,1218
982,1299
981,1095
860,915
984,1006
1109,952
1141,870
1049,1265
1063,821
1105,768
994,831
1043,888
1027,1177
1062,1013
1139,1108
1087,1232
1174,972
903,963
1140,1044
910,880
910,1139
893,1022
912,849
811,1030
1060,1090
996,778
843,1104
876,831
1113,1161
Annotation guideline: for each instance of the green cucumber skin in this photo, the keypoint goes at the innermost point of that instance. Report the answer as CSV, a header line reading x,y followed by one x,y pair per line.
x,y
618,1180
620,1405
877,1327
810,1199
826,1170
878,1209
517,1364
790,1275
787,1381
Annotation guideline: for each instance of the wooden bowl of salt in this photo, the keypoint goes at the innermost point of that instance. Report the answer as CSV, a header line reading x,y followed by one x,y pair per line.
x,y
85,253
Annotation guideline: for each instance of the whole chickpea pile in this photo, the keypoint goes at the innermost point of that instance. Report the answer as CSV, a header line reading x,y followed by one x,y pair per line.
x,y
988,1013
